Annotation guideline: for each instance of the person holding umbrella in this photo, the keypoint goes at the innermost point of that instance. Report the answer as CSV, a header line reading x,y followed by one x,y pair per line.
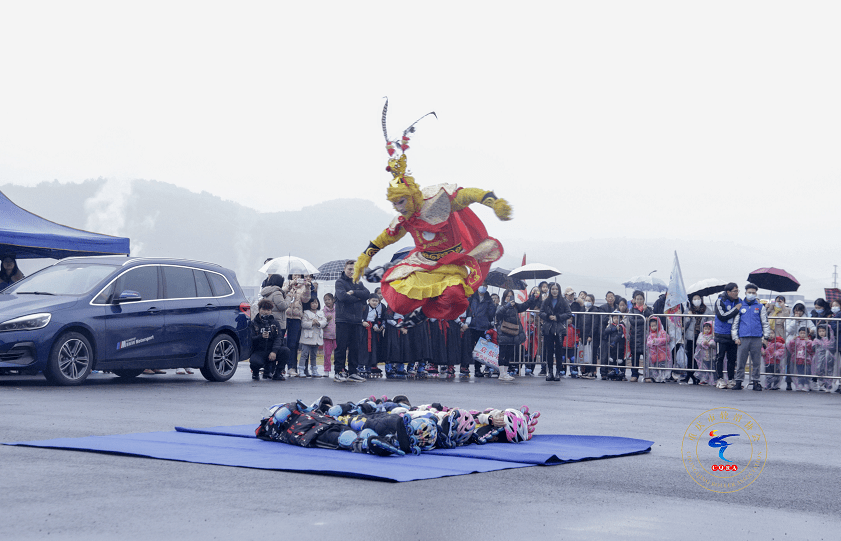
x,y
727,306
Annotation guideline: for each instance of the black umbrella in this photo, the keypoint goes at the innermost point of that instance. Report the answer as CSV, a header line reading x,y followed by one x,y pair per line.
x,y
773,279
498,277
710,286
330,270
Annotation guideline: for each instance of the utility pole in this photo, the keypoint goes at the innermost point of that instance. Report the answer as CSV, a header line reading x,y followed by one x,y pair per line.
x,y
835,277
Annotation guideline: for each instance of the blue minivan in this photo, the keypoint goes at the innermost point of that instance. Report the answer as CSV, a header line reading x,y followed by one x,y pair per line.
x,y
124,315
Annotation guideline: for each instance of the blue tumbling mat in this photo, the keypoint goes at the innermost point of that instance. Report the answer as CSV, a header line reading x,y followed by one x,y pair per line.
x,y
237,446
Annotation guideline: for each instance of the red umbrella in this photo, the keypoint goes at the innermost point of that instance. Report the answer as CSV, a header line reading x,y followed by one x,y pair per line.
x,y
773,279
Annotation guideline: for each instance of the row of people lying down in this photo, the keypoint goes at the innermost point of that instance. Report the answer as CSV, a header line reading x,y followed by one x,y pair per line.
x,y
392,426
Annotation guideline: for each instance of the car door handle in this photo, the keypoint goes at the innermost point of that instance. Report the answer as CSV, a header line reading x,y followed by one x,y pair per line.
x,y
209,306
153,310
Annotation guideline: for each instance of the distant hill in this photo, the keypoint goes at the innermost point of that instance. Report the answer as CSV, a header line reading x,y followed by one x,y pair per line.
x,y
164,220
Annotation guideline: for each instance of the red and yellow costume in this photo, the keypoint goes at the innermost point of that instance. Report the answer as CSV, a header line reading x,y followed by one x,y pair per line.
x,y
452,253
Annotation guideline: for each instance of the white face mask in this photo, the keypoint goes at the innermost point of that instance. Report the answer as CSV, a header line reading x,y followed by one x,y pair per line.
x,y
780,305
750,296
588,304
835,309
696,302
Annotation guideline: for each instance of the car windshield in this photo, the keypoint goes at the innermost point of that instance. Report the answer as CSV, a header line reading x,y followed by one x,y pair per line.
x,y
62,279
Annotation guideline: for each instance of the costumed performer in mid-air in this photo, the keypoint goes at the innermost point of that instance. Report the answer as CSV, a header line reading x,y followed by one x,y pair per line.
x,y
453,252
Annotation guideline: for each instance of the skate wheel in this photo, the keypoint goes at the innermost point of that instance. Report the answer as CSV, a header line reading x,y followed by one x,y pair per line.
x,y
416,450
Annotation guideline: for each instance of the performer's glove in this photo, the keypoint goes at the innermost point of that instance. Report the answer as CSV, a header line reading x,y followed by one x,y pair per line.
x,y
359,268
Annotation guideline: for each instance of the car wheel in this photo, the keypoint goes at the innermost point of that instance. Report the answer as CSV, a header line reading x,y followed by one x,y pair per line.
x,y
222,359
70,360
128,372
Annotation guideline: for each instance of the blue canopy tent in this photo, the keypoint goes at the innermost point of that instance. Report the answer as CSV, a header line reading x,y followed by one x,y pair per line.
x,y
28,236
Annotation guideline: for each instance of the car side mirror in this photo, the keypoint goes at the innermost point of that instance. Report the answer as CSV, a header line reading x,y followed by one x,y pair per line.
x,y
128,296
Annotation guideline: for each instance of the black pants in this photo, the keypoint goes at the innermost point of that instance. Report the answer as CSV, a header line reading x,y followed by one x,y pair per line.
x,y
507,354
726,347
347,347
553,353
260,359
637,351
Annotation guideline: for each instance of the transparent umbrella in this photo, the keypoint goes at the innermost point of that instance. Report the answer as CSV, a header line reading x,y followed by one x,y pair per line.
x,y
287,265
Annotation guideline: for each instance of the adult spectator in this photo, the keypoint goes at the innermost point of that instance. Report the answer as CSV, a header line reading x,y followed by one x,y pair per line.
x,y
9,272
726,307
510,333
480,316
637,331
822,310
555,313
495,299
750,331
694,328
266,280
588,323
792,328
778,309
349,300
569,296
608,308
273,291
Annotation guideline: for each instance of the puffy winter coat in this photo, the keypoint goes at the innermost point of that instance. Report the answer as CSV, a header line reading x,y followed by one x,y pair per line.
x,y
562,314
297,296
348,307
793,325
638,327
481,312
311,334
509,313
278,298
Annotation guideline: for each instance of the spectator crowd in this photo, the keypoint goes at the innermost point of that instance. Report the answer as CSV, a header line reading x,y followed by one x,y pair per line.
x,y
552,333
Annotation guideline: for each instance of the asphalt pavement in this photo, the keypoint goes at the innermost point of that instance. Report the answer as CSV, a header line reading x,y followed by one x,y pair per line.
x,y
60,494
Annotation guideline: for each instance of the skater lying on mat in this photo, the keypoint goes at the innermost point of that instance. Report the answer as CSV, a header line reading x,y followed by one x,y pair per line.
x,y
391,426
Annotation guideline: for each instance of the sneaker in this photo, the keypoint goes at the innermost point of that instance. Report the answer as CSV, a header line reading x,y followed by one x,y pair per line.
x,y
732,384
340,377
278,376
464,372
756,386
356,378
505,376
720,384
634,379
255,375
293,373
314,373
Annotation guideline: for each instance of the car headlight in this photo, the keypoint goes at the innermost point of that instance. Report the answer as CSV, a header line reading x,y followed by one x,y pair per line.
x,y
26,323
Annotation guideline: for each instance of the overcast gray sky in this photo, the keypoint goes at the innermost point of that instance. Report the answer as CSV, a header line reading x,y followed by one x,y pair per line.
x,y
715,118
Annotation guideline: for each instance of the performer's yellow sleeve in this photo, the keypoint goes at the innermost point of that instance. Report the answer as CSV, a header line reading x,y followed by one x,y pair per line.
x,y
382,240
465,196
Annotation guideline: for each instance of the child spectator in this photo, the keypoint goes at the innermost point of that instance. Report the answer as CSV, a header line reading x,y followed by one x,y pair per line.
x,y
637,331
801,351
372,328
329,334
297,291
267,350
617,348
823,359
659,352
312,336
570,347
397,345
774,355
704,354
792,328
